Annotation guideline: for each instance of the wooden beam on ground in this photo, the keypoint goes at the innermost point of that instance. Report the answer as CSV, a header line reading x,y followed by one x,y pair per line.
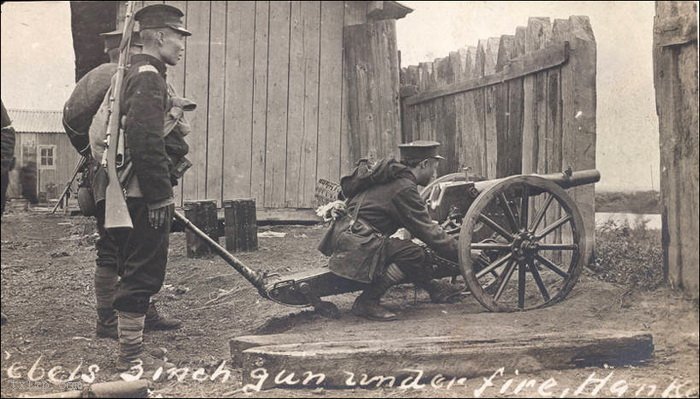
x,y
112,389
449,356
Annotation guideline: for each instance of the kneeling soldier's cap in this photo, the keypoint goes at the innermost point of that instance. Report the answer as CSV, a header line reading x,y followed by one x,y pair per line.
x,y
161,16
419,150
113,39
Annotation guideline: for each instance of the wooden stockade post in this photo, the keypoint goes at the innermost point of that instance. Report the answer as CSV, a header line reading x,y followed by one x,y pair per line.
x,y
202,214
676,84
240,225
518,104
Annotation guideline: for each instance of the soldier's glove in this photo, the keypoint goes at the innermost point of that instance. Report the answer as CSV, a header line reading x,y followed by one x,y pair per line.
x,y
158,215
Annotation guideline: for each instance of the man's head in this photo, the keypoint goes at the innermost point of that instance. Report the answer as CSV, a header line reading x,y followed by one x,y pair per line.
x,y
162,32
113,40
423,159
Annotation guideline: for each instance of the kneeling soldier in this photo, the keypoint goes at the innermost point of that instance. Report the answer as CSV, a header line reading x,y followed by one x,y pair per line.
x,y
376,208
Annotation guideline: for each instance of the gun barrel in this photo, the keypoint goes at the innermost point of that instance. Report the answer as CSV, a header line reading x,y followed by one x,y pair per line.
x,y
579,178
563,179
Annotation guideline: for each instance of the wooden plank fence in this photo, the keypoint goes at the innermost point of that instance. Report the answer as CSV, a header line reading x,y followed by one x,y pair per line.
x,y
522,103
676,83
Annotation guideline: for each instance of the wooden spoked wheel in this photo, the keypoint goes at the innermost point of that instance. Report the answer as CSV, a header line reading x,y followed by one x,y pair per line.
x,y
537,245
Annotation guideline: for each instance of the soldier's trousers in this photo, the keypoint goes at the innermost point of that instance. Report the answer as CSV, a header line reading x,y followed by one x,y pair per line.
x,y
141,255
410,258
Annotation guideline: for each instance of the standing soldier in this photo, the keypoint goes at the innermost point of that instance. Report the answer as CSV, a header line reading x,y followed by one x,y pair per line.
x,y
377,207
144,249
77,118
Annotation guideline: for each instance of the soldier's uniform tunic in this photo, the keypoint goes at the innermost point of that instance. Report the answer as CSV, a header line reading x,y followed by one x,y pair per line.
x,y
388,207
143,250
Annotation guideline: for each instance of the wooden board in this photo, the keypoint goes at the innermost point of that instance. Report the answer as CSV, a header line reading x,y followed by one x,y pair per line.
x,y
238,120
370,71
450,356
304,21
506,153
197,89
260,88
277,101
355,13
579,123
676,84
216,102
330,91
176,77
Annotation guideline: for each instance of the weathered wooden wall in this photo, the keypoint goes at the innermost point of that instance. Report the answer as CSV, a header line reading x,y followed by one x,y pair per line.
x,y
523,103
676,83
372,79
272,115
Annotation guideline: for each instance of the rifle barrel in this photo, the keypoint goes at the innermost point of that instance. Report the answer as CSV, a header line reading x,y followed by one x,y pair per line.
x,y
78,167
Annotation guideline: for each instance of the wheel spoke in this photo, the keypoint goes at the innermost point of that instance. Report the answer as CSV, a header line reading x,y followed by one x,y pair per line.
x,y
558,247
509,212
524,205
540,214
493,265
488,246
521,285
510,268
495,226
548,263
538,281
553,226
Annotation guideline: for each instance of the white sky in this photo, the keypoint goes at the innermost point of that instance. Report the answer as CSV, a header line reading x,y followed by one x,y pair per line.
x,y
37,65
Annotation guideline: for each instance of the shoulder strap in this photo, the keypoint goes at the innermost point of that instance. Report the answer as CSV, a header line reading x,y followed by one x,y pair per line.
x,y
357,208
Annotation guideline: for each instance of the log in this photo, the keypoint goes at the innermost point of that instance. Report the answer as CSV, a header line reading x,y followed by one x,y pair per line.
x,y
450,356
202,214
112,389
240,225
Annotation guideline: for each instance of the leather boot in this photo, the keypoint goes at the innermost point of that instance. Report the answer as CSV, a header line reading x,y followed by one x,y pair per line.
x,y
367,304
370,308
106,323
440,291
155,321
131,348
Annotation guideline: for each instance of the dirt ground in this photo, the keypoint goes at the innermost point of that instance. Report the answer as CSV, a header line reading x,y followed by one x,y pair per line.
x,y
47,293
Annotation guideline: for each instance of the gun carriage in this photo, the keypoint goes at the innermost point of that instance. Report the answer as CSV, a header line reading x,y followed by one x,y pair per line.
x,y
521,239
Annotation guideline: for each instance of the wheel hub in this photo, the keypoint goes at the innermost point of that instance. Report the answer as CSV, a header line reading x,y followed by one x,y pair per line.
x,y
524,246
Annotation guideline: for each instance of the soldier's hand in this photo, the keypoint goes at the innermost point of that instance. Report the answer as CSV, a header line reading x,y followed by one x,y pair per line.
x,y
157,216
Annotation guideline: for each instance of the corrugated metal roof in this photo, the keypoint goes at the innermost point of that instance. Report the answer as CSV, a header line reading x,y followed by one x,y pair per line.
x,y
31,121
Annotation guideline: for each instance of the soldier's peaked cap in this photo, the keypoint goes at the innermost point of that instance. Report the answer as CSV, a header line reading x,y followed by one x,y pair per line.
x,y
113,39
419,150
161,16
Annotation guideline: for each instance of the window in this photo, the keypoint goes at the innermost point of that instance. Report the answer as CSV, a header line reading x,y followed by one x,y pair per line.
x,y
47,154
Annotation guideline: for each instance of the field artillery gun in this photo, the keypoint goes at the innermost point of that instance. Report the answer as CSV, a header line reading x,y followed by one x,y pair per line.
x,y
523,223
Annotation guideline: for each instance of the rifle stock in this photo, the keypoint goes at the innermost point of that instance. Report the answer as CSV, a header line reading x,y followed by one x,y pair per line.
x,y
116,211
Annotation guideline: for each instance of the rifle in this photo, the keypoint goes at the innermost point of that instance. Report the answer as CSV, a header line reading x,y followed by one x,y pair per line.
x,y
78,167
116,211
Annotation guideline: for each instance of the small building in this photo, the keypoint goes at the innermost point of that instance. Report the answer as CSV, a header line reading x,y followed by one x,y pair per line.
x,y
42,149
